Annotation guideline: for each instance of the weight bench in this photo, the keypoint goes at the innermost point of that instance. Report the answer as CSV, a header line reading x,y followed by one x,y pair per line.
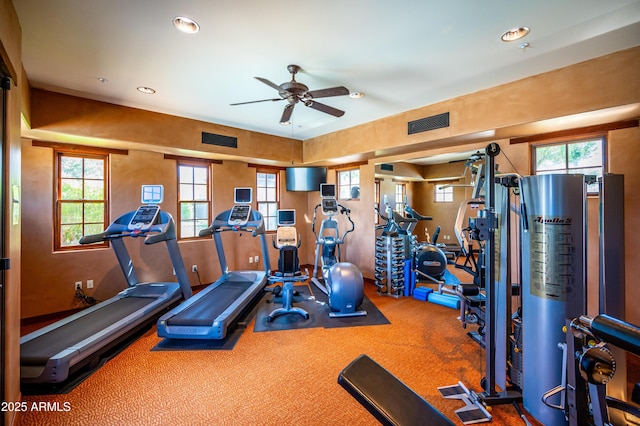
x,y
389,400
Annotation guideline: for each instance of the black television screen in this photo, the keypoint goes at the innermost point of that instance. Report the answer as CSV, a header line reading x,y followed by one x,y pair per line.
x,y
286,217
242,195
328,190
305,178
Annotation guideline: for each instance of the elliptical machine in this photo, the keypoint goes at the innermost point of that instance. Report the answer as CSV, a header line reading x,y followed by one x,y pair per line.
x,y
342,282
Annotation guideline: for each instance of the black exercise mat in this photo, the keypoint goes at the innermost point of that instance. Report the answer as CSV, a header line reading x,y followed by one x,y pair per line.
x,y
226,344
373,317
291,321
318,310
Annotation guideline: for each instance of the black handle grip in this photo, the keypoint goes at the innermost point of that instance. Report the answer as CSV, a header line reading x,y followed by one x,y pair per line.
x,y
620,333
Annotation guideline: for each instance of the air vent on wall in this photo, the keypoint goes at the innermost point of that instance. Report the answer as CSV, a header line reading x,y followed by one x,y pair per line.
x,y
219,140
386,167
429,123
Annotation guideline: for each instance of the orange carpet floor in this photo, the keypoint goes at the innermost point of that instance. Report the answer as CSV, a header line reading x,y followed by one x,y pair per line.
x,y
277,377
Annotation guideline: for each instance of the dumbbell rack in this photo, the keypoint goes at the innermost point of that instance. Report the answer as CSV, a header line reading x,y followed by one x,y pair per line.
x,y
389,269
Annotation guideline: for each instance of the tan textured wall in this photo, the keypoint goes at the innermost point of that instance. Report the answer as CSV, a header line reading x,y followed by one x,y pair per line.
x,y
116,126
596,84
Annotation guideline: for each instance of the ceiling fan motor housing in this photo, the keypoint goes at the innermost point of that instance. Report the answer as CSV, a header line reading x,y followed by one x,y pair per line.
x,y
293,87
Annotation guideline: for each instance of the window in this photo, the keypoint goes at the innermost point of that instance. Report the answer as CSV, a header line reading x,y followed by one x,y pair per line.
x,y
349,184
194,202
81,198
267,197
584,157
401,192
443,194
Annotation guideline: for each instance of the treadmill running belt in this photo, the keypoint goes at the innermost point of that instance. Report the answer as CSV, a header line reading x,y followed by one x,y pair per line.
x,y
207,308
39,350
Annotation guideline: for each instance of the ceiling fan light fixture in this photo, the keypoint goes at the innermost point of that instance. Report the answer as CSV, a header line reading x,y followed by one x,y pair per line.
x,y
146,90
356,95
285,123
514,34
186,25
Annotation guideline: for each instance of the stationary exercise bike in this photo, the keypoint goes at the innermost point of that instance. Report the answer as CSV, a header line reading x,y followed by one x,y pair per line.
x,y
287,242
342,282
430,259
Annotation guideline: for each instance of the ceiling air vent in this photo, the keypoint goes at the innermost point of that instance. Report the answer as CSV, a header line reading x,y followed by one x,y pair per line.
x,y
219,140
429,123
386,167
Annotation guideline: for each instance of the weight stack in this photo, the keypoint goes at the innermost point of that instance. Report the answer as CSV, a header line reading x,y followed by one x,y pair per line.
x,y
389,265
554,282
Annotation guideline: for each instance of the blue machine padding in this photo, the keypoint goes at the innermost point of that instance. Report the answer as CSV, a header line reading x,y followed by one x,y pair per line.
x,y
422,293
444,300
449,278
409,281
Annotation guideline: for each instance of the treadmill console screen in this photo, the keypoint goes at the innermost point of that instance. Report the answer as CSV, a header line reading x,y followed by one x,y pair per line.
x,y
144,218
329,206
239,215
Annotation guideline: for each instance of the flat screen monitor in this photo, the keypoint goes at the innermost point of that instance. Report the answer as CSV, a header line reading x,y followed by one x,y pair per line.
x,y
242,195
327,190
286,217
305,178
152,194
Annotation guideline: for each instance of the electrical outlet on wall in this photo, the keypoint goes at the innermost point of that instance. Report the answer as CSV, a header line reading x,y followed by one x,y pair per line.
x,y
89,283
250,259
77,285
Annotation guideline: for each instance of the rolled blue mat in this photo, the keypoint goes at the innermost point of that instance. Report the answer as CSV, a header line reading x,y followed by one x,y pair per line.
x,y
422,293
444,300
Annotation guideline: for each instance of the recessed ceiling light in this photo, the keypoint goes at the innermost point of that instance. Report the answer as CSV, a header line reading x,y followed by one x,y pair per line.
x,y
356,95
146,90
186,25
514,34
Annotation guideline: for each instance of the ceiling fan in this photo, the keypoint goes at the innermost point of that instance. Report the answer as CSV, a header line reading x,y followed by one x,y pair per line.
x,y
294,92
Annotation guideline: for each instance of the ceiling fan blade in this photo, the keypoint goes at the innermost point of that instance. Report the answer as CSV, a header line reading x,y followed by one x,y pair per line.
x,y
269,83
324,108
253,102
332,91
286,114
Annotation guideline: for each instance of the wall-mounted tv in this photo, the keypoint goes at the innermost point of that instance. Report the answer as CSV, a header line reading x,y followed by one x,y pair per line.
x,y
305,178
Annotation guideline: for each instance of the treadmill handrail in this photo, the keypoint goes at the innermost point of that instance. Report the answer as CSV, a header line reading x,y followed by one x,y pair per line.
x,y
163,231
221,224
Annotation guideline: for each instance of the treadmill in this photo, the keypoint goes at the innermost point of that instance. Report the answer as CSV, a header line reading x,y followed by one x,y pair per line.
x,y
57,354
211,313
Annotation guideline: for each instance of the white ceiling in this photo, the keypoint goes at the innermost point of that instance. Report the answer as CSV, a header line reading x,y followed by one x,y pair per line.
x,y
402,54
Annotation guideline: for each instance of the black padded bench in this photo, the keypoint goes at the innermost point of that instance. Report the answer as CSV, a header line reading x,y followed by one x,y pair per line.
x,y
386,397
